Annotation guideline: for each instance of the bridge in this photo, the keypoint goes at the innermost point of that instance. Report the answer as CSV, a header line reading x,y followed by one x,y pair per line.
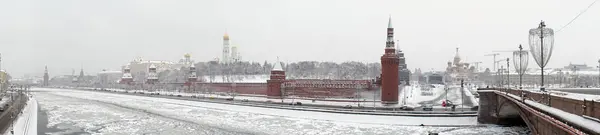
x,y
544,113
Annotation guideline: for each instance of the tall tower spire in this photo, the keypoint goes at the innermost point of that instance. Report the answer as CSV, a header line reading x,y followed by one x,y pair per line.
x,y
226,54
390,22
81,72
46,76
73,76
390,37
81,75
389,69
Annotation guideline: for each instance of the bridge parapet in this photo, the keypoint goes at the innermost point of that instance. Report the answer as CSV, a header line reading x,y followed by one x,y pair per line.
x,y
494,101
588,108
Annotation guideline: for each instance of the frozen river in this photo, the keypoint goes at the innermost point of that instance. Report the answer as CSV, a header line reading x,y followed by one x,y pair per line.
x,y
84,112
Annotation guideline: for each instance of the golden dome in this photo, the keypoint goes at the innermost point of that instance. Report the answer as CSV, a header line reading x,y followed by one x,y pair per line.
x,y
187,55
225,37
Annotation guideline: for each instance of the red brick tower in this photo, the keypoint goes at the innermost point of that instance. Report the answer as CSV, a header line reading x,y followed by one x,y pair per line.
x,y
274,83
389,70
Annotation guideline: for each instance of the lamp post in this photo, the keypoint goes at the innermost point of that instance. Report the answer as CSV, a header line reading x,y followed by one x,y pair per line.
x,y
233,93
598,72
521,65
501,75
541,43
357,94
293,93
374,96
462,93
508,72
560,78
575,77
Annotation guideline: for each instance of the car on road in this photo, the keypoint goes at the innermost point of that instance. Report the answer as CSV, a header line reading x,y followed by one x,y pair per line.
x,y
428,107
407,108
295,103
4,106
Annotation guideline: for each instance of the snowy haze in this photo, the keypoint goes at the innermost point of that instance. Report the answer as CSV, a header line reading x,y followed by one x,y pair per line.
x,y
65,34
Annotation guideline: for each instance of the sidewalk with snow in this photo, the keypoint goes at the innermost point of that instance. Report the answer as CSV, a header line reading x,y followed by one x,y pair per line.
x,y
410,96
26,124
326,101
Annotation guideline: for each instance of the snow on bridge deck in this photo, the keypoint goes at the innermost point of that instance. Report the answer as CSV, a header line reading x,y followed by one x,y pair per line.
x,y
564,92
583,122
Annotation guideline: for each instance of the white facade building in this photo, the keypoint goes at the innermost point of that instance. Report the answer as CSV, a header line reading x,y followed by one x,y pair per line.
x,y
139,68
229,54
152,72
109,77
568,76
234,54
225,58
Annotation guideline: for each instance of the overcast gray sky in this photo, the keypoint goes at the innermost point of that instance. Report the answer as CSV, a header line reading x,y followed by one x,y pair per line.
x,y
104,34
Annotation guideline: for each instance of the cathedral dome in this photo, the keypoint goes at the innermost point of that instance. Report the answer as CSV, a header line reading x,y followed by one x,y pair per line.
x,y
456,57
225,37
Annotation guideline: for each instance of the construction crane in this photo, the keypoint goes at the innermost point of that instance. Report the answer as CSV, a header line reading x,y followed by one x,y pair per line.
x,y
498,63
494,55
497,52
507,51
476,65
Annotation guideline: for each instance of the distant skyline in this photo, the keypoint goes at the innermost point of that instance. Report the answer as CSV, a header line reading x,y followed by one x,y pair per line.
x,y
65,34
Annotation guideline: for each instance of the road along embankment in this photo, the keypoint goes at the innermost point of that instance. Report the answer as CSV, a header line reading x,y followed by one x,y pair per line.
x,y
303,107
12,110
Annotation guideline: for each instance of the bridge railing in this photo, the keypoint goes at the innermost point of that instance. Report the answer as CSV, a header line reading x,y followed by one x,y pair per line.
x,y
588,108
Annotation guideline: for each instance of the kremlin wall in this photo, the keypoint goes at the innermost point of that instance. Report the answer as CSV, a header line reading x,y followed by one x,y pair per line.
x,y
182,76
144,74
279,86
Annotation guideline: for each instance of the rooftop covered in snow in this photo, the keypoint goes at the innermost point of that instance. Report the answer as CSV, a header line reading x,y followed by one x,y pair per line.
x,y
277,66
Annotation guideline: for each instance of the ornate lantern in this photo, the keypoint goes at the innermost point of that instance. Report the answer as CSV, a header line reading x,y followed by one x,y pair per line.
x,y
541,43
521,60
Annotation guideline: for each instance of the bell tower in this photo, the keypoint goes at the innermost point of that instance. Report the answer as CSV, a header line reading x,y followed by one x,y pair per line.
x,y
389,69
46,76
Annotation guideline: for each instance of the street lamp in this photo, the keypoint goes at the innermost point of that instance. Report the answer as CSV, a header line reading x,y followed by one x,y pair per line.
x,y
293,92
575,77
462,93
233,93
541,43
598,72
501,75
358,94
508,72
560,78
521,65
